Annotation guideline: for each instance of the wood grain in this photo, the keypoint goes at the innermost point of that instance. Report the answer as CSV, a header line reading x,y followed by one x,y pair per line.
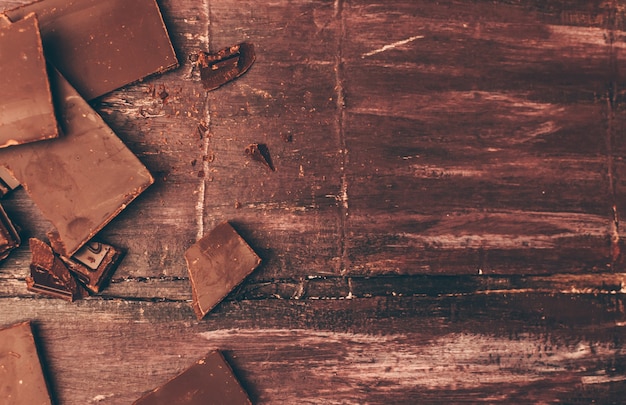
x,y
443,224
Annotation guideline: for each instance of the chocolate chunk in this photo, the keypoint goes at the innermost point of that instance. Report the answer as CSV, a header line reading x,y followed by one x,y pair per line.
x,y
260,153
94,264
81,180
7,182
217,69
217,263
209,381
26,109
48,274
100,46
22,380
9,237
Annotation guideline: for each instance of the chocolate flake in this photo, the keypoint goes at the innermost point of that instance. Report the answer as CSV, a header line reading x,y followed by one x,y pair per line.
x,y
260,153
218,263
210,381
217,69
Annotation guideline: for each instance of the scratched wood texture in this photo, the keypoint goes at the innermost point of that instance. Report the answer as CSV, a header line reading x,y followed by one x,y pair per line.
x,y
443,224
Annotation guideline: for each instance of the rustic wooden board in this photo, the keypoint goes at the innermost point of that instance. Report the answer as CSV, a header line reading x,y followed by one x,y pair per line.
x,y
442,224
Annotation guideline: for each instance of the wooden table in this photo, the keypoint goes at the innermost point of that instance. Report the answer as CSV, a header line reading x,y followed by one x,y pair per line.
x,y
442,225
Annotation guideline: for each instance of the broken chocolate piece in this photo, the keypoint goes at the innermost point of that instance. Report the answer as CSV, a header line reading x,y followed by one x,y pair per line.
x,y
260,153
217,263
100,46
22,379
81,180
7,182
94,264
49,276
209,381
217,69
26,109
9,237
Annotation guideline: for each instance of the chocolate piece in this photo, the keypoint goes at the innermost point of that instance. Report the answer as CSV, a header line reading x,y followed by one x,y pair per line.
x,y
7,182
100,46
217,69
9,238
81,180
208,381
217,263
22,380
94,264
48,274
260,153
26,110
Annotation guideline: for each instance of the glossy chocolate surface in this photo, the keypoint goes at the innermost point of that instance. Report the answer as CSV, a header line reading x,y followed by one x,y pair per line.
x,y
81,180
209,381
26,109
217,263
100,46
22,380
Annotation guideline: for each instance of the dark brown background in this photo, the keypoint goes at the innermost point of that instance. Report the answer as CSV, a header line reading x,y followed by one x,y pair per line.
x,y
443,226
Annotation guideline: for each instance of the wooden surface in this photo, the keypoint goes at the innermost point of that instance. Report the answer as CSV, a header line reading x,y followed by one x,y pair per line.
x,y
443,224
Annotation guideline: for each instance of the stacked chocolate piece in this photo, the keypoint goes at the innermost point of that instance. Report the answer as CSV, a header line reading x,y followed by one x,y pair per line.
x,y
57,55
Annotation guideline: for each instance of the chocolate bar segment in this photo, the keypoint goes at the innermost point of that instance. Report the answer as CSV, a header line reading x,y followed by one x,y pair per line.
x,y
219,68
81,180
217,263
209,381
49,276
99,45
94,264
9,237
22,380
26,109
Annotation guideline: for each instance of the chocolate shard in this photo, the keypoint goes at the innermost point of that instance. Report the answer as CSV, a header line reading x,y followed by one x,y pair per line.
x,y
8,183
219,68
100,46
81,180
49,275
261,153
26,109
9,237
217,263
22,379
94,264
209,381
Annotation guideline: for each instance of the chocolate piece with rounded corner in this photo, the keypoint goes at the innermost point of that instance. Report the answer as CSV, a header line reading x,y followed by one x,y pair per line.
x,y
210,381
22,380
218,263
26,109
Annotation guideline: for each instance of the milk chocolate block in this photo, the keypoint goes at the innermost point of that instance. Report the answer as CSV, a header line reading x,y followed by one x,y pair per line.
x,y
26,109
219,68
209,381
22,380
49,276
217,263
9,237
94,264
101,45
81,180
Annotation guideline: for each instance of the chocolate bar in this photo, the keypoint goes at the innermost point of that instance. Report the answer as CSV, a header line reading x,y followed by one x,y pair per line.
x,y
9,237
49,276
22,380
209,381
26,109
219,68
81,180
217,263
260,153
100,46
94,264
